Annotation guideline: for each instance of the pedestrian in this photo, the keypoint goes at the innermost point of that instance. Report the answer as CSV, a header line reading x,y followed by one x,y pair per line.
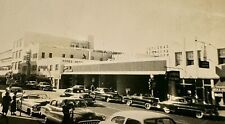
x,y
6,103
92,88
66,113
13,105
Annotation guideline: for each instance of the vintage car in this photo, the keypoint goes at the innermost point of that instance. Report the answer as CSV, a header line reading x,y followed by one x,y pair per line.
x,y
138,117
45,86
31,104
180,104
79,93
145,101
106,95
32,84
80,113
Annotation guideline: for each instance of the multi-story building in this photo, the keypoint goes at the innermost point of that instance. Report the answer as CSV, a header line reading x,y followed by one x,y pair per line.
x,y
158,51
42,54
5,61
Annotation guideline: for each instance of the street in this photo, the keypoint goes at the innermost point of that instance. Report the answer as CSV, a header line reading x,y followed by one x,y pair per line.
x,y
109,108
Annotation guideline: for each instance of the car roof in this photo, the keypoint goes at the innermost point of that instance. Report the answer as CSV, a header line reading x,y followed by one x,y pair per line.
x,y
140,114
68,98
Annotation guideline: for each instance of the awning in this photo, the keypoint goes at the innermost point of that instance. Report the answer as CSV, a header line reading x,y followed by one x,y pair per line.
x,y
219,86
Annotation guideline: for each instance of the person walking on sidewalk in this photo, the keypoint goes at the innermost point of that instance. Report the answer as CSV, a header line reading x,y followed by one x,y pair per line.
x,y
6,103
13,105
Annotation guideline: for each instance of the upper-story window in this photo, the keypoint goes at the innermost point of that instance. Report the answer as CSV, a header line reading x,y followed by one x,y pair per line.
x,y
50,55
43,55
50,68
34,55
71,56
190,58
178,58
57,67
221,56
63,55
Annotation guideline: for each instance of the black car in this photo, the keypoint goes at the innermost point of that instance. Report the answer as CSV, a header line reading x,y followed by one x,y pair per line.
x,y
106,94
145,101
181,104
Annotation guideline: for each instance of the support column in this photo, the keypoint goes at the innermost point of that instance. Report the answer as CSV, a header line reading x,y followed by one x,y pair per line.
x,y
212,92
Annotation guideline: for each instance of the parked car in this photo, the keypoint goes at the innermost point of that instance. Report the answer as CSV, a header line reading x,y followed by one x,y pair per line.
x,y
138,117
31,104
176,104
106,94
53,111
79,93
32,84
45,86
145,101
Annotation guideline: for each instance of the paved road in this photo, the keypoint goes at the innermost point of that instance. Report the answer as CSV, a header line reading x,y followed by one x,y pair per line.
x,y
110,108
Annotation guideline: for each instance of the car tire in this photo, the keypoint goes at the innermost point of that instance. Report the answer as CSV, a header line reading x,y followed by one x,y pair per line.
x,y
199,114
129,102
147,106
166,110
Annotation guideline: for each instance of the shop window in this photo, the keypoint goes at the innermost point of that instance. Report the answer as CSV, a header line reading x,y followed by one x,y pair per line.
x,y
190,58
221,56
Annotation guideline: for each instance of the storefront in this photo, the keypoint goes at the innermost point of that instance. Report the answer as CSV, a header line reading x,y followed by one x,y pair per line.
x,y
219,93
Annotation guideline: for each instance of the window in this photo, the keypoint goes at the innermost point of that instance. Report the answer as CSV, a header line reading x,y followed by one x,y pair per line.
x,y
63,55
34,67
118,120
19,54
221,56
50,68
190,58
53,103
56,66
71,56
35,55
132,121
43,55
19,65
178,58
50,55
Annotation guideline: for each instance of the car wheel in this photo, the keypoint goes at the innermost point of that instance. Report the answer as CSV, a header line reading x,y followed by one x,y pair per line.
x,y
166,110
147,106
199,114
108,99
129,102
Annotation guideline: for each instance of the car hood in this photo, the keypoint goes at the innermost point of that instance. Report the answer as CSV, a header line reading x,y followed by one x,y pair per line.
x,y
36,101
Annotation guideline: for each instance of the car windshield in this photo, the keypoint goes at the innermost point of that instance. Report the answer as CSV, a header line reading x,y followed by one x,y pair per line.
x,y
106,90
78,91
18,90
158,121
76,103
44,83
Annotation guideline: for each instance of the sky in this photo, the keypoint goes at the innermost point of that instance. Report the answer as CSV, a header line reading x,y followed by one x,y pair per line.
x,y
118,25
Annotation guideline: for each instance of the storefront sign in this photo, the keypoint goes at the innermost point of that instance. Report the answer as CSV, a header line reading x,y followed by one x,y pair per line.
x,y
218,94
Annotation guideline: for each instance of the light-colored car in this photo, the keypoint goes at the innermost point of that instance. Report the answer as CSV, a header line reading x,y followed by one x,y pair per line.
x,y
53,111
138,117
79,93
31,104
45,86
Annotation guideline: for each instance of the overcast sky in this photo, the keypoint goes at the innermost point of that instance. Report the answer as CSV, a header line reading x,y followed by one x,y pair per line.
x,y
121,25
